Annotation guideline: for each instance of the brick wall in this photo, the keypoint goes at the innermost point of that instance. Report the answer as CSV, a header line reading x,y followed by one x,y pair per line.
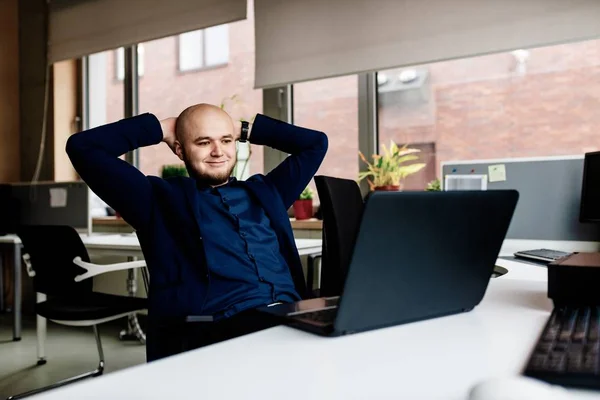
x,y
165,91
475,108
331,106
483,108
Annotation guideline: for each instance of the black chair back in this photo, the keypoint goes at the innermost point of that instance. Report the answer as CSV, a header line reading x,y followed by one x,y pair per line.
x,y
52,249
9,210
341,207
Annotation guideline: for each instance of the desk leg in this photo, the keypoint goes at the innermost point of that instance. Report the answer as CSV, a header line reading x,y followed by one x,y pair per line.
x,y
17,292
133,331
40,330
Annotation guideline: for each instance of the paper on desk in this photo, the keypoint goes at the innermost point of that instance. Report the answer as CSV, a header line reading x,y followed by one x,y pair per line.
x,y
497,173
58,197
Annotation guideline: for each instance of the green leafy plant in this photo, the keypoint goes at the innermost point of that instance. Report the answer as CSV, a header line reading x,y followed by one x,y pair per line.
x,y
240,167
307,194
390,168
434,186
232,99
169,171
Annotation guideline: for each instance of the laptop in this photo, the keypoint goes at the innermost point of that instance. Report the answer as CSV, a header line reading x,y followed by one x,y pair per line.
x,y
418,255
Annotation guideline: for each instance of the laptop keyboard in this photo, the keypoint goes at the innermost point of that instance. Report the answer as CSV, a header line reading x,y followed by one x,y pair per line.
x,y
322,316
568,350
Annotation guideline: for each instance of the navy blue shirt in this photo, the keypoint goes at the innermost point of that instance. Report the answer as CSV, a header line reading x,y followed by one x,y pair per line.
x,y
246,268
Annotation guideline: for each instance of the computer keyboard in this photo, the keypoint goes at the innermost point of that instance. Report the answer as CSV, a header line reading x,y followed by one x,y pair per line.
x,y
542,254
567,352
326,316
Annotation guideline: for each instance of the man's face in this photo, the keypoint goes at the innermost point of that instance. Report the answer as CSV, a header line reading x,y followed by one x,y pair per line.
x,y
207,146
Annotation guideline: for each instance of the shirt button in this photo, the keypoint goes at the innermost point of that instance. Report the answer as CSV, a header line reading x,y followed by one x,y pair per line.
x,y
251,256
243,234
261,279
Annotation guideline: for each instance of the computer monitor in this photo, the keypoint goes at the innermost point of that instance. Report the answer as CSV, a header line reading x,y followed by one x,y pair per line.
x,y
590,189
54,203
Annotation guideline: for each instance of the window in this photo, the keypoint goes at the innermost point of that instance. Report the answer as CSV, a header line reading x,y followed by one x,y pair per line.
x,y
166,93
331,106
120,57
205,48
525,103
104,103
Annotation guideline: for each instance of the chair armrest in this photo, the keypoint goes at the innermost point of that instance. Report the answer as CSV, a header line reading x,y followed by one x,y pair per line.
x,y
97,269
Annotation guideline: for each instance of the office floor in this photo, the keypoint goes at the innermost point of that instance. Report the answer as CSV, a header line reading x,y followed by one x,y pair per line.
x,y
70,351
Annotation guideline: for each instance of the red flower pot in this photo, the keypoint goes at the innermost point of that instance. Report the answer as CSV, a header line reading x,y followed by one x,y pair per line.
x,y
303,209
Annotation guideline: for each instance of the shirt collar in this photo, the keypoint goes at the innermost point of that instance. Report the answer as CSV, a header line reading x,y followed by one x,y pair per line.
x,y
202,185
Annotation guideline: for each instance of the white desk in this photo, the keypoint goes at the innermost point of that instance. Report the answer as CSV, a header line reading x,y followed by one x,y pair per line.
x,y
436,359
126,245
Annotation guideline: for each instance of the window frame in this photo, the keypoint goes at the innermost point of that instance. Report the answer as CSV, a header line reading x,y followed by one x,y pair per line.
x,y
204,66
120,53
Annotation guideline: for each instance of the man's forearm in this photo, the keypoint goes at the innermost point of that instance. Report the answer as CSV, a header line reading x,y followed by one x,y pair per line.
x,y
307,149
286,137
95,156
119,137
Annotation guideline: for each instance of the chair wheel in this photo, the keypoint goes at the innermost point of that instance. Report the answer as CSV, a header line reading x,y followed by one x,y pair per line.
x,y
41,361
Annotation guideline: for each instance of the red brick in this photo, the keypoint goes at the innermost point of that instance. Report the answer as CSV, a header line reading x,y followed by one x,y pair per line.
x,y
477,108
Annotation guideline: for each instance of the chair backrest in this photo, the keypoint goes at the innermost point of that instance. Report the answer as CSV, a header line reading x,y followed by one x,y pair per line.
x,y
51,249
341,207
9,210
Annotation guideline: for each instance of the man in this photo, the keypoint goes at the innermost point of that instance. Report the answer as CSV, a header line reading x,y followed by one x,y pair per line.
x,y
214,245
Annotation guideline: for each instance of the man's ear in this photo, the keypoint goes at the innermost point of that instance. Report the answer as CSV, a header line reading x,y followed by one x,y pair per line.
x,y
178,150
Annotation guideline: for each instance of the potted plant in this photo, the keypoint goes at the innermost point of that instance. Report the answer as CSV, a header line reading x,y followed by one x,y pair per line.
x,y
235,105
241,166
303,207
434,186
388,170
169,171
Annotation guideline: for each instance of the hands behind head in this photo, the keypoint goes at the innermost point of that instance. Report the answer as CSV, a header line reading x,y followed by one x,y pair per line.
x,y
168,126
237,129
168,129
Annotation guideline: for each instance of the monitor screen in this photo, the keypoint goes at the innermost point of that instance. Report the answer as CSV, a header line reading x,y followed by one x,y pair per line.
x,y
590,189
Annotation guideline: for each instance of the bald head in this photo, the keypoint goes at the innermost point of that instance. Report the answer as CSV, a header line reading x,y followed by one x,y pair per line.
x,y
202,118
205,141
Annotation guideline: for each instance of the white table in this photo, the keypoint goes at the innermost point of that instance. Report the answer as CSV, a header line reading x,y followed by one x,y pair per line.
x,y
128,245
99,244
435,359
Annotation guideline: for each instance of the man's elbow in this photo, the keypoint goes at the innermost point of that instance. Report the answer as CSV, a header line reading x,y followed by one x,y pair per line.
x,y
323,142
73,146
76,150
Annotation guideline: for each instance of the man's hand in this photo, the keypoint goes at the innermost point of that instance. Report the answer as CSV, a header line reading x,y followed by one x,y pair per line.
x,y
237,130
168,130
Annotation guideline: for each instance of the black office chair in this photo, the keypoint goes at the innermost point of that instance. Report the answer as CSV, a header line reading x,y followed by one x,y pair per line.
x,y
341,206
49,252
